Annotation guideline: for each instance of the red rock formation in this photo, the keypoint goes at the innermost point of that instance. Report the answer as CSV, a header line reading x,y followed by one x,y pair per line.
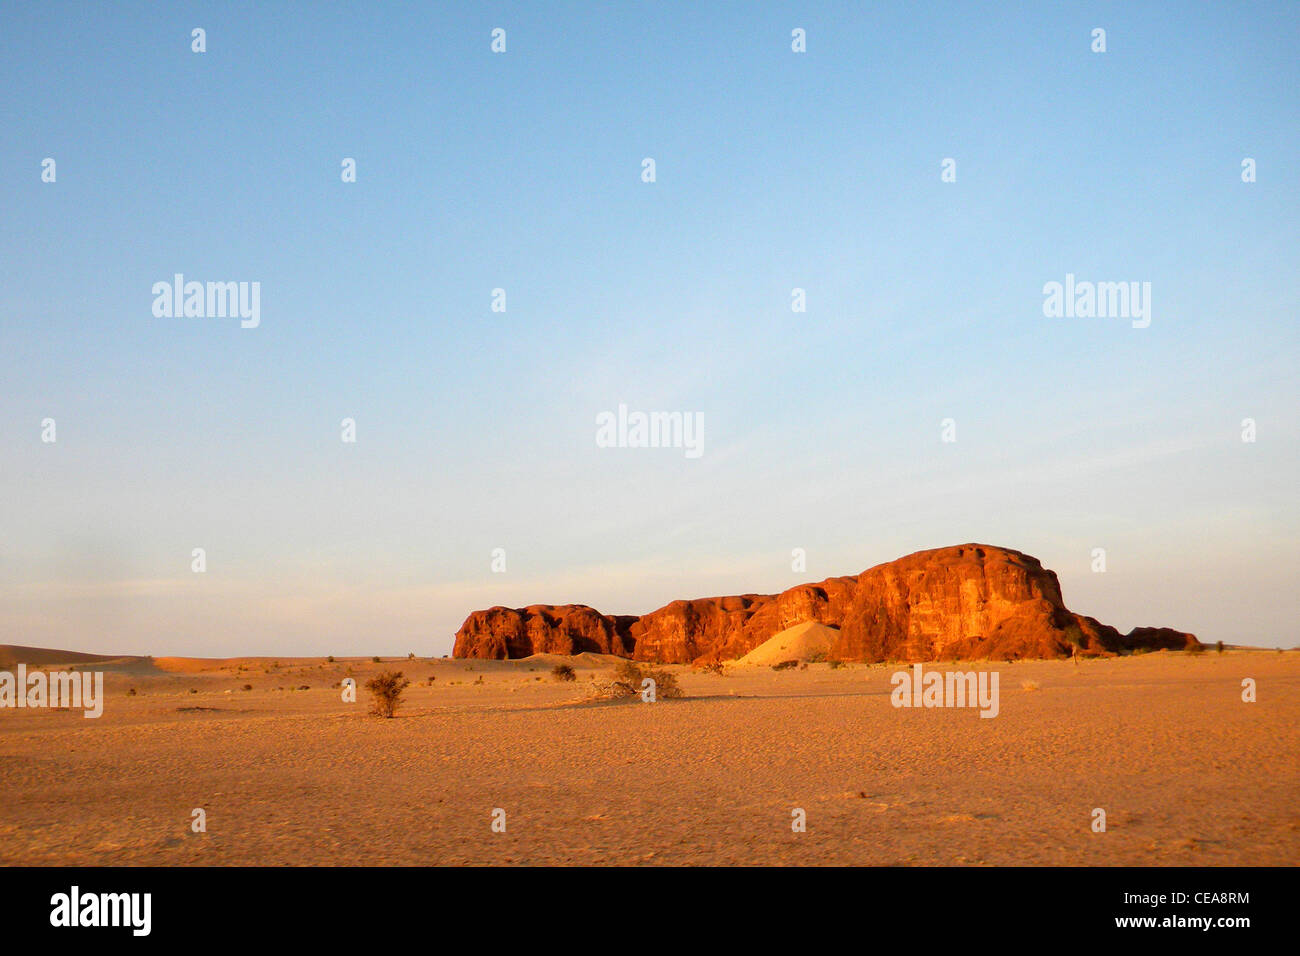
x,y
500,633
965,602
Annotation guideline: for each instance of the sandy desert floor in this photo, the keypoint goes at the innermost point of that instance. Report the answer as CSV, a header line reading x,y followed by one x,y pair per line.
x,y
1186,772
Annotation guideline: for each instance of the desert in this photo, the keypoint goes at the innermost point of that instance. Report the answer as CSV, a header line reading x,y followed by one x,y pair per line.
x,y
286,772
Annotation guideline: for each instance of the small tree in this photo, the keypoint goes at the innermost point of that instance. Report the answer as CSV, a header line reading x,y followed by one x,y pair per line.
x,y
386,690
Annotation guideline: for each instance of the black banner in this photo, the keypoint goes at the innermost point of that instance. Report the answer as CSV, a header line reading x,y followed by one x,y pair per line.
x,y
1150,905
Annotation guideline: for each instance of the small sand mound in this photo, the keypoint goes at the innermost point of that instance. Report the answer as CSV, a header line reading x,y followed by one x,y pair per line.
x,y
584,659
799,643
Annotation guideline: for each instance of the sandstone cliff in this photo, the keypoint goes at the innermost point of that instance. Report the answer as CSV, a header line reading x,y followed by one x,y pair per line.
x,y
965,602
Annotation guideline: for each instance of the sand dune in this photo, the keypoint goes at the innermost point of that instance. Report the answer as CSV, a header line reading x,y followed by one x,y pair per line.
x,y
803,642
587,659
51,657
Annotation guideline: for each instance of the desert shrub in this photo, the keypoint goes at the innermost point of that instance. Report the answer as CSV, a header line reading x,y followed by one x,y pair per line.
x,y
627,668
816,657
480,679
563,672
330,658
130,692
836,665
785,665
1218,646
629,673
665,685
305,687
386,691
1197,648
374,660
248,687
411,656
627,682
713,667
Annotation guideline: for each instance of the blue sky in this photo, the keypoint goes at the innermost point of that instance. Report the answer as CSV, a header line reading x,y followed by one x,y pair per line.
x,y
775,170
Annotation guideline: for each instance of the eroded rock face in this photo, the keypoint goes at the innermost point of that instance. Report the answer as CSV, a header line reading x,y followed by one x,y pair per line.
x,y
965,602
501,633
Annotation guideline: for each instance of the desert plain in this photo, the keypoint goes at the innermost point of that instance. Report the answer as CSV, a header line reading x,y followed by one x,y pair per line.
x,y
287,773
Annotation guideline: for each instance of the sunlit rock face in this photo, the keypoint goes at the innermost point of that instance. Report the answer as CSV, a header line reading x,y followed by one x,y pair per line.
x,y
966,602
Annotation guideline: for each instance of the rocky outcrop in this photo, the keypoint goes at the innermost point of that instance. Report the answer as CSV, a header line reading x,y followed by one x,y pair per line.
x,y
966,602
501,633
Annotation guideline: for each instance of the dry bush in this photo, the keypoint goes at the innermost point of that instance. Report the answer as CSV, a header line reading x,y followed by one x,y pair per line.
x,y
629,672
386,689
785,665
627,683
665,685
563,672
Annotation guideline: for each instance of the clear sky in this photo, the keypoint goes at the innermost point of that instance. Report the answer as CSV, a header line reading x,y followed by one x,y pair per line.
x,y
522,170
